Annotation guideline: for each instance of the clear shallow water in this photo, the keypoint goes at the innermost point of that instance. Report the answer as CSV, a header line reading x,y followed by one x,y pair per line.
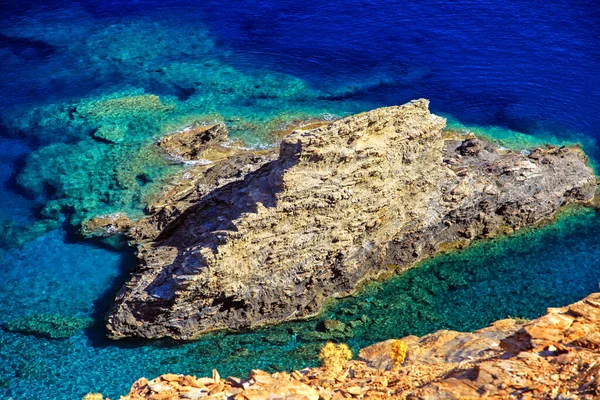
x,y
78,112
518,276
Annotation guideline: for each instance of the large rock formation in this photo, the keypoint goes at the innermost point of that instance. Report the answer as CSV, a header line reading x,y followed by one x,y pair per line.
x,y
343,203
556,356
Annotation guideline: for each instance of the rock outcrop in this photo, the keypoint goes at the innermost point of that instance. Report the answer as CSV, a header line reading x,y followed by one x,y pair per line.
x,y
191,142
344,203
212,161
556,356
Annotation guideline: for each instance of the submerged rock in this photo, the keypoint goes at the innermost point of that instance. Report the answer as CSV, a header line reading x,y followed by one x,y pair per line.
x,y
111,134
48,325
354,200
105,225
331,325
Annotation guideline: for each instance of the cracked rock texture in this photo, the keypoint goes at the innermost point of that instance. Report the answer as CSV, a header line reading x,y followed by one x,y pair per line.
x,y
344,203
189,143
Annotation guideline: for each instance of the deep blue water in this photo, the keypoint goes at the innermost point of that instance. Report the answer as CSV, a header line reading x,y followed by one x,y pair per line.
x,y
521,71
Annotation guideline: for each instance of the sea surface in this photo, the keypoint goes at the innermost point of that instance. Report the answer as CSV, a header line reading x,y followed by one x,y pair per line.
x,y
87,86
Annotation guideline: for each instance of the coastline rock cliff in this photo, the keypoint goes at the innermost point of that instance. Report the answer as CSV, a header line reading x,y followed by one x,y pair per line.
x,y
555,356
353,200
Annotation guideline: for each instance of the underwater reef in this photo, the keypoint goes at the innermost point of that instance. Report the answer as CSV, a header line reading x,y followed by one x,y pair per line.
x,y
106,160
94,152
344,203
554,356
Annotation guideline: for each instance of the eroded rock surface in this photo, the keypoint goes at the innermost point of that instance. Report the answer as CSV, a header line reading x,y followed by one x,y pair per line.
x,y
343,203
556,356
211,161
259,385
189,143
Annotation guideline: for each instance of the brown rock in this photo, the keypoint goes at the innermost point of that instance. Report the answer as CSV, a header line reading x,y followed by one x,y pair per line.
x,y
105,225
342,204
188,144
378,355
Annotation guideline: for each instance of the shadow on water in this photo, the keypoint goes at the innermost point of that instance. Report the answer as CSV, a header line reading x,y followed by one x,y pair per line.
x,y
97,332
12,183
28,49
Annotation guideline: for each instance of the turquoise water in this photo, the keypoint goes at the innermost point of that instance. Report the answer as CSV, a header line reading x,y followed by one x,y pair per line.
x,y
517,276
88,86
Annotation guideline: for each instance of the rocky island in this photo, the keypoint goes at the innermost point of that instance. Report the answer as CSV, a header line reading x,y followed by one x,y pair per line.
x,y
254,238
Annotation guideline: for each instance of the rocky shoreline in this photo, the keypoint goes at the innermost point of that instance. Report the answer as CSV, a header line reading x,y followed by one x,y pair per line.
x,y
556,356
254,238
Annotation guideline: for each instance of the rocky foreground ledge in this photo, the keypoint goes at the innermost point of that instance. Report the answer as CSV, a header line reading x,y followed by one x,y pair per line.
x,y
556,356
253,239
